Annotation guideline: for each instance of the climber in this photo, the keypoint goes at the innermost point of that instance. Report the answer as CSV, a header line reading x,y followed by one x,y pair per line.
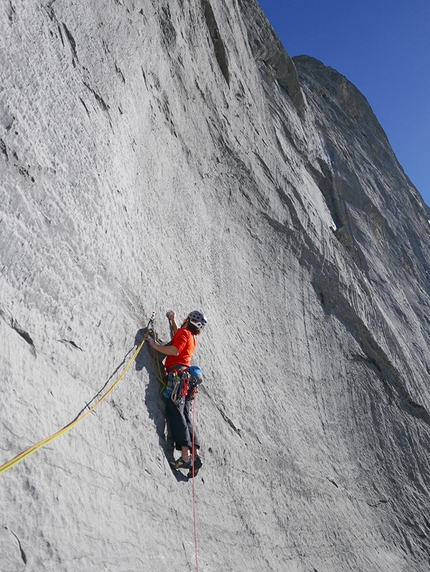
x,y
181,387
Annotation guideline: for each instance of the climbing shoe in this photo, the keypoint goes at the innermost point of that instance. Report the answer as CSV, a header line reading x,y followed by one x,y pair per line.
x,y
181,464
197,465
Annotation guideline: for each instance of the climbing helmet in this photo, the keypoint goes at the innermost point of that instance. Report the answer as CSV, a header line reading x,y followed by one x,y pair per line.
x,y
197,319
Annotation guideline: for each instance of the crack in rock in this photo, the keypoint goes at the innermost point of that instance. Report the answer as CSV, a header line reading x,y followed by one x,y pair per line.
x,y
21,551
25,335
72,344
219,47
224,416
98,97
72,42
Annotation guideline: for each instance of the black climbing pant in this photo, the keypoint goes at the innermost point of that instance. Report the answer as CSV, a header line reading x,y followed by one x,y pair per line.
x,y
180,421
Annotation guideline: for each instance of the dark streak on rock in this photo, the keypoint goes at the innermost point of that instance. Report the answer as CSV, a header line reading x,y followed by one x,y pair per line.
x,y
98,97
223,415
333,482
167,27
86,108
377,503
22,553
119,72
25,335
61,35
219,47
12,11
71,42
3,149
276,225
71,343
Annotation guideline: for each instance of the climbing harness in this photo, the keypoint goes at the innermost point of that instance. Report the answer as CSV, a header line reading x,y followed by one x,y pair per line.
x,y
178,382
182,382
24,454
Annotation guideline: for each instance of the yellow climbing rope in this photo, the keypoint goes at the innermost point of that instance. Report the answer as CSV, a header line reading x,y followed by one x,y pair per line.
x,y
44,442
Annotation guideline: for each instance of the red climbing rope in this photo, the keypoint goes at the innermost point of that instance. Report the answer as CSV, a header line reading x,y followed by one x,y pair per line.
x,y
194,491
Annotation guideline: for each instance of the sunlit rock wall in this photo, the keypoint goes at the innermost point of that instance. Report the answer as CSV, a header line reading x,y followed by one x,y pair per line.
x,y
158,155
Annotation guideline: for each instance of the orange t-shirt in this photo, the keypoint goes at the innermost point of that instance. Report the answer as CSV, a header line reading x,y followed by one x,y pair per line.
x,y
185,342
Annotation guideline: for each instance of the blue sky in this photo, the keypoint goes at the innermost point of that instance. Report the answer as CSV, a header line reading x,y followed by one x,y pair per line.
x,y
383,48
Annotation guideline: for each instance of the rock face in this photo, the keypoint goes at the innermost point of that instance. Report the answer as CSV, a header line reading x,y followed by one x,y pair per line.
x,y
171,154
